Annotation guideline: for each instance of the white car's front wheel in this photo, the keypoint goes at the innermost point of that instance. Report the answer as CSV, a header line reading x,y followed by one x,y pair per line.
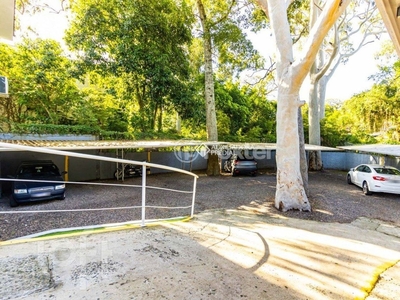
x,y
349,179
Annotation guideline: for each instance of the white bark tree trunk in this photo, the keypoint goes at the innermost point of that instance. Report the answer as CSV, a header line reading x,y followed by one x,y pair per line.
x,y
211,117
369,26
303,156
313,115
213,167
323,82
178,123
314,132
290,193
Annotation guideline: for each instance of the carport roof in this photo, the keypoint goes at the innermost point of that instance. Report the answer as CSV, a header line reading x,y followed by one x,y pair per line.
x,y
149,145
392,150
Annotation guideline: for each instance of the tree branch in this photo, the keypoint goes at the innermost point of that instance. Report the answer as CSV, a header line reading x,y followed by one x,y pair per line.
x,y
331,12
264,5
224,17
267,71
332,56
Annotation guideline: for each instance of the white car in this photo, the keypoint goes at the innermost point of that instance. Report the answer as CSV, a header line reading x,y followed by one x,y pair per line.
x,y
375,178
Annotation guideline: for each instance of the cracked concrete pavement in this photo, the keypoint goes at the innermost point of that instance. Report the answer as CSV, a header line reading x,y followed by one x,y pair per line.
x,y
221,254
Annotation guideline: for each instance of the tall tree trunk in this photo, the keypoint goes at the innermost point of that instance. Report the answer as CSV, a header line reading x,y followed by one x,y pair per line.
x,y
290,193
139,92
303,156
314,137
323,82
314,132
160,118
213,167
154,117
178,123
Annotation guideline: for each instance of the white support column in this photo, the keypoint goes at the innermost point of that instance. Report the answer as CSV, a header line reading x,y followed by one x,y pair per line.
x,y
194,196
143,195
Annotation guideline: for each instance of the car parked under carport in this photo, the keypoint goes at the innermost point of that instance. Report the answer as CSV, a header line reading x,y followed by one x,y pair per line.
x,y
47,182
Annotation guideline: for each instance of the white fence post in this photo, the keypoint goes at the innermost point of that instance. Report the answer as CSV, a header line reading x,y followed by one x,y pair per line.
x,y
143,195
194,196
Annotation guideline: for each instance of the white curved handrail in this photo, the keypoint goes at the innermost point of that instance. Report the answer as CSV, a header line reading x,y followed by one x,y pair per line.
x,y
144,164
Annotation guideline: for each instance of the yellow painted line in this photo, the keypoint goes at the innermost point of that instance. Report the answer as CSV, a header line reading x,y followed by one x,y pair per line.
x,y
369,286
80,232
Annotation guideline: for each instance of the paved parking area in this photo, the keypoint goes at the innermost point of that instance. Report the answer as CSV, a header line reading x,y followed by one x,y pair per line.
x,y
223,254
332,200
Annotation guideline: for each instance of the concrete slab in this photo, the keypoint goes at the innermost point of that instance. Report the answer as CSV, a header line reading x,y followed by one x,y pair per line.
x,y
228,254
30,273
377,225
388,285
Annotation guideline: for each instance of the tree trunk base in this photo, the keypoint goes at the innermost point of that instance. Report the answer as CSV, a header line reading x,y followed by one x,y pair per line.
x,y
290,196
288,203
315,161
213,168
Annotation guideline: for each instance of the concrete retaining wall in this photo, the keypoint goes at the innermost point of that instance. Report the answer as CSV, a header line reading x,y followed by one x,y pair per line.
x,y
346,160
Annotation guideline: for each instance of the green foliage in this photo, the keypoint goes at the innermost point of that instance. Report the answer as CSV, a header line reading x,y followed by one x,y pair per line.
x,y
369,117
140,65
244,115
298,16
54,129
333,133
138,68
227,22
43,90
43,129
144,42
41,87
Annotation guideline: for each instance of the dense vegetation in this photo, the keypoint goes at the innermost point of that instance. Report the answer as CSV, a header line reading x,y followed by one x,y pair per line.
x,y
136,71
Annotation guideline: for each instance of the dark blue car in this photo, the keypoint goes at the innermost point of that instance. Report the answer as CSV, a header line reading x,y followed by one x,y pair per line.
x,y
47,182
241,164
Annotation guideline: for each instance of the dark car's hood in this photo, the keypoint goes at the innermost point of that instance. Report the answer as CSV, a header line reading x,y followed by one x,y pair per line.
x,y
36,184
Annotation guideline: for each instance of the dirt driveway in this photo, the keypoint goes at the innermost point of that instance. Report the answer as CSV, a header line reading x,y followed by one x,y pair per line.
x,y
238,246
332,200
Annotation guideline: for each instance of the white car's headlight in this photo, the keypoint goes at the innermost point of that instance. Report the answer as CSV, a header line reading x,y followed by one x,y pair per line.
x,y
20,191
60,187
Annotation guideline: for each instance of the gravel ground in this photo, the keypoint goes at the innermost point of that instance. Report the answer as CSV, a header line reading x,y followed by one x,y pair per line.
x,y
332,200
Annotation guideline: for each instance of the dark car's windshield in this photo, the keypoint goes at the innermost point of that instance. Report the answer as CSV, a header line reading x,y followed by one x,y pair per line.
x,y
242,157
38,171
388,171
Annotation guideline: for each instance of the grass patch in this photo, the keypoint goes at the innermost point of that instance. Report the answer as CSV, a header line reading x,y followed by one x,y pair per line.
x,y
68,232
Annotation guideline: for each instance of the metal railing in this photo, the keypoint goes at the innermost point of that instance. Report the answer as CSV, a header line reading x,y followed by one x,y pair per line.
x,y
143,186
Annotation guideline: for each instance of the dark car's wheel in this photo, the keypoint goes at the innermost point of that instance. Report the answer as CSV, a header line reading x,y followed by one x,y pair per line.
x,y
13,202
62,197
366,189
349,179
